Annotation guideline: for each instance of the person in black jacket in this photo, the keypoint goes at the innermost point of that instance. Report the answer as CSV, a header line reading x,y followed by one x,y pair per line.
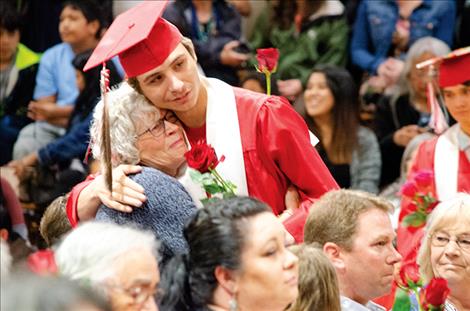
x,y
18,68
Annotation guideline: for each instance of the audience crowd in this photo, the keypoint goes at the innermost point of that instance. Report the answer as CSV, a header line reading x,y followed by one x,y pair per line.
x,y
149,162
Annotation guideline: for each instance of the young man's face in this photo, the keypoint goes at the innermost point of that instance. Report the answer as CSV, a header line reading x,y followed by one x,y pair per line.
x,y
173,85
8,43
457,100
74,27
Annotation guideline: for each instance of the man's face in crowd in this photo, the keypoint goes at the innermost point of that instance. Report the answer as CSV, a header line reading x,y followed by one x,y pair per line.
x,y
369,266
457,100
173,85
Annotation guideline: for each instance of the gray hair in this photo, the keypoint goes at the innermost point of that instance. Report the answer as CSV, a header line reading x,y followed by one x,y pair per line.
x,y
128,112
447,214
421,46
87,254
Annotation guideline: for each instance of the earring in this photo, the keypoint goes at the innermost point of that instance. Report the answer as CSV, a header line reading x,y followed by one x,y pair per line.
x,y
233,306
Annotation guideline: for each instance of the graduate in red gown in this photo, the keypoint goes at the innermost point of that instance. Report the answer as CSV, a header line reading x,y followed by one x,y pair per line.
x,y
266,144
448,155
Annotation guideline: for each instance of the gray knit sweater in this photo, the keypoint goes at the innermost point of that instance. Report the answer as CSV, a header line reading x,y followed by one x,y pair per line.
x,y
165,212
366,162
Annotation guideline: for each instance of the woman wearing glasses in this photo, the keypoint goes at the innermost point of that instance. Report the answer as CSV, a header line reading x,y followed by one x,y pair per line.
x,y
118,262
141,134
445,251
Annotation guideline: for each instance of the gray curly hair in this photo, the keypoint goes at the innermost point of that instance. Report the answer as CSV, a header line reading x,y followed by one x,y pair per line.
x,y
128,113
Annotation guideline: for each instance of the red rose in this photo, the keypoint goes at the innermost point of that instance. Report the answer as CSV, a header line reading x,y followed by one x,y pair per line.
x,y
436,292
424,179
42,262
267,59
409,189
409,273
201,157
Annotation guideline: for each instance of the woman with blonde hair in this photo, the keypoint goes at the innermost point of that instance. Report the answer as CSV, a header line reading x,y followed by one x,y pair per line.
x,y
445,250
318,285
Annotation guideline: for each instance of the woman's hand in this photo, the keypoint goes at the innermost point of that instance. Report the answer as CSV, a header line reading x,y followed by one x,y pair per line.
x,y
292,201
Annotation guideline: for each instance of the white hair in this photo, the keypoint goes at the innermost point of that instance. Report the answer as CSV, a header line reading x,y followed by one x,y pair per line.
x,y
5,260
128,112
421,46
87,254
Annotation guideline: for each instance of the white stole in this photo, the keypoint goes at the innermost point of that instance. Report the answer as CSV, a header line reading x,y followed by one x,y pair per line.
x,y
223,133
446,164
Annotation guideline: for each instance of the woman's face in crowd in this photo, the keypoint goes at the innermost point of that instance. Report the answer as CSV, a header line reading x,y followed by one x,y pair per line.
x,y
419,77
269,274
163,145
318,98
74,27
134,282
450,260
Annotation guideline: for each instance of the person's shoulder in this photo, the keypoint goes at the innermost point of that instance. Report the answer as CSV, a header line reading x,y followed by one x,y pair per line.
x,y
244,96
54,52
366,134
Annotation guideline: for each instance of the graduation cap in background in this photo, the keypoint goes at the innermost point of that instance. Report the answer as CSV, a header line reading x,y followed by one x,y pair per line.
x,y
451,69
142,40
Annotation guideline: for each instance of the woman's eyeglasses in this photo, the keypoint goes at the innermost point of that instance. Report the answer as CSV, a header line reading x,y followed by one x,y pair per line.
x,y
441,240
157,130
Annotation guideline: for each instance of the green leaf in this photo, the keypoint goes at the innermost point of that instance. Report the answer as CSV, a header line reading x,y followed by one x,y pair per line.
x,y
416,219
402,301
213,188
208,201
196,176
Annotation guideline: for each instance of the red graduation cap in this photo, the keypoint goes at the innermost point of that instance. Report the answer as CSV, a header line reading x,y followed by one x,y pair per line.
x,y
141,38
455,68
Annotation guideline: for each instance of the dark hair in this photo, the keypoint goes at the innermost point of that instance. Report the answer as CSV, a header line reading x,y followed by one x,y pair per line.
x,y
261,78
10,19
91,10
216,236
345,113
88,98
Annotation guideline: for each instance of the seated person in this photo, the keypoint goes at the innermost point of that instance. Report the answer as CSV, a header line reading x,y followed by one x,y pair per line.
x,y
117,261
18,68
445,249
404,115
67,151
349,150
356,235
384,31
318,284
237,260
80,27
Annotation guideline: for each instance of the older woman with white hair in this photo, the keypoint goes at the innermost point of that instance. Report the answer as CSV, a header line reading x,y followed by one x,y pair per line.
x,y
117,260
404,115
445,250
142,134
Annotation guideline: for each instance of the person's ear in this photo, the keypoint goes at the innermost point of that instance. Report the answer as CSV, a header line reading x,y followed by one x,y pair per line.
x,y
227,279
335,255
94,26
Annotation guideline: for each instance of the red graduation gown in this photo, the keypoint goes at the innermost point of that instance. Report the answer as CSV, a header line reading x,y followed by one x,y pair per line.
x,y
277,151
